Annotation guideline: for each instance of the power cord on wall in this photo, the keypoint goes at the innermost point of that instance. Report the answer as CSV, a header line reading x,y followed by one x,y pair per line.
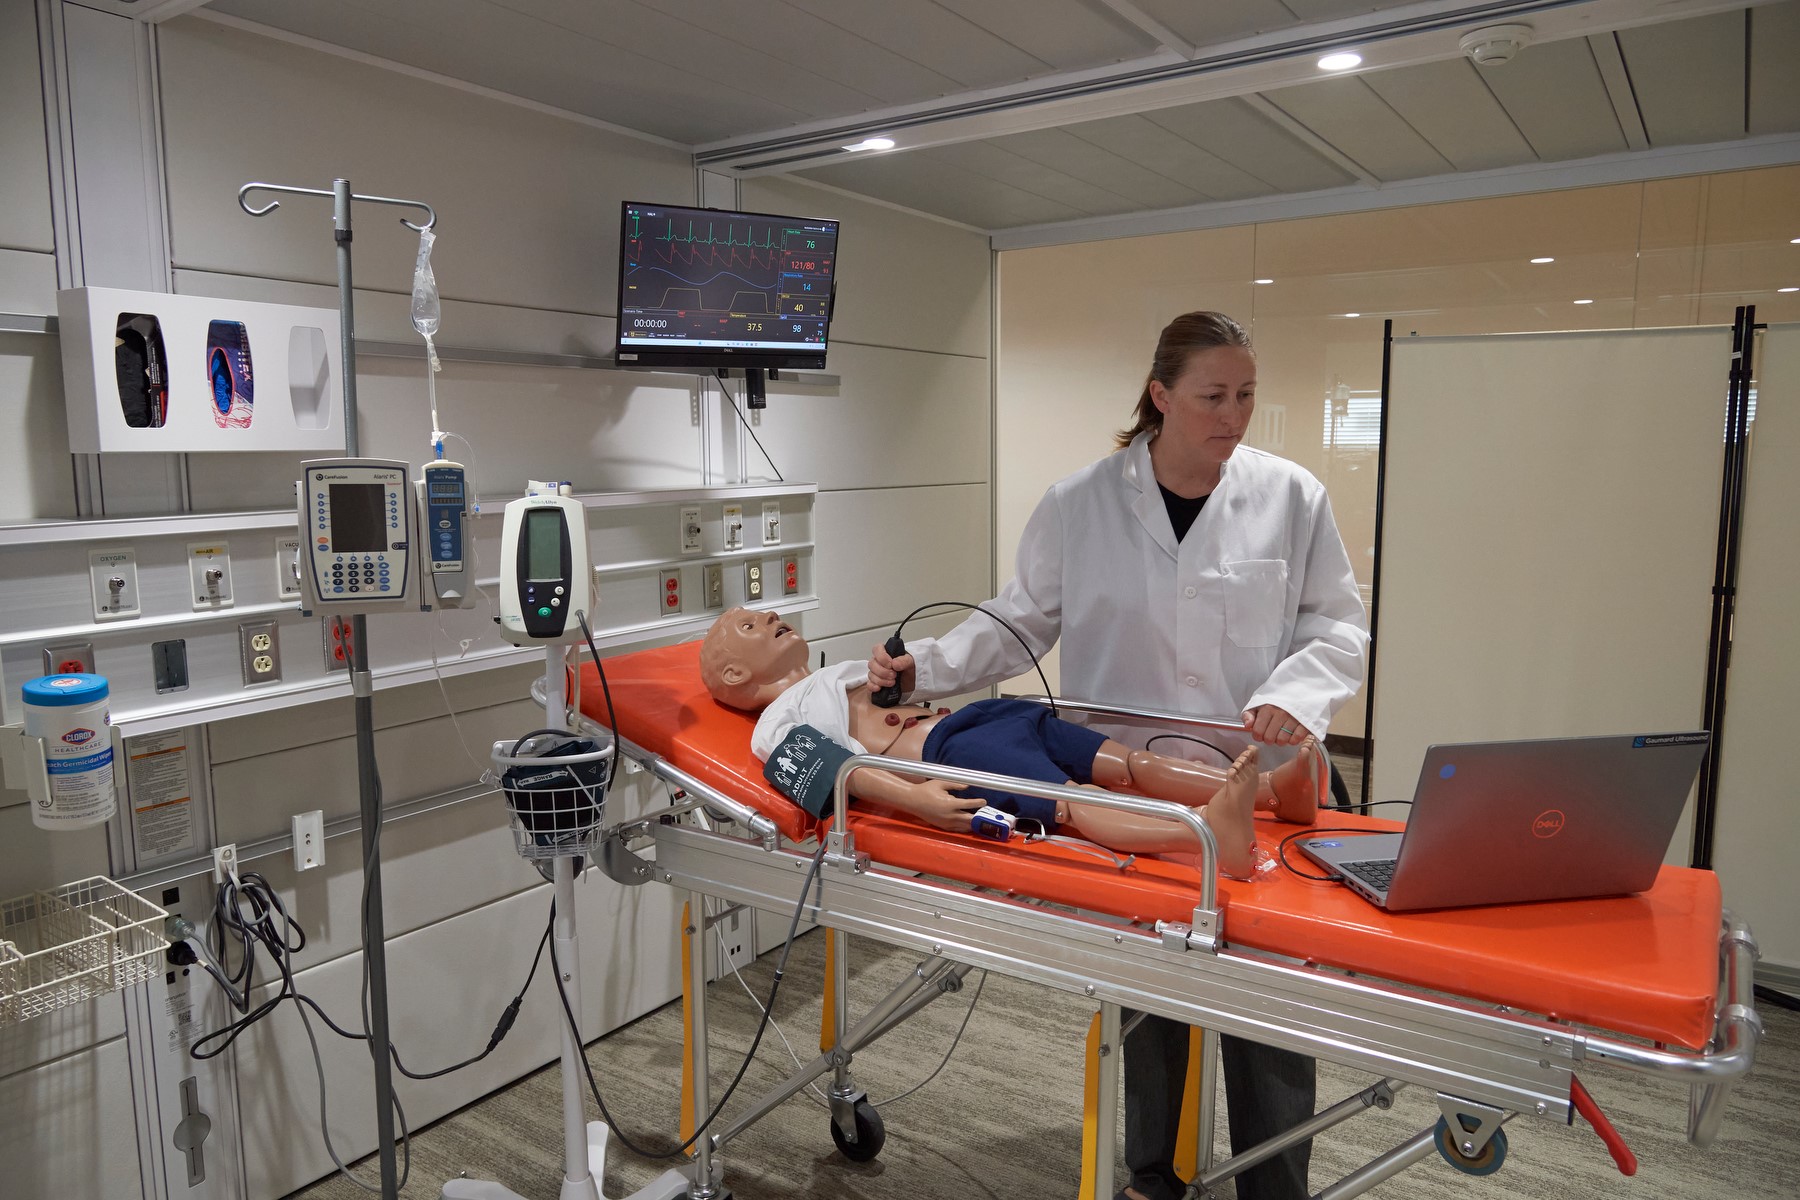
x,y
740,415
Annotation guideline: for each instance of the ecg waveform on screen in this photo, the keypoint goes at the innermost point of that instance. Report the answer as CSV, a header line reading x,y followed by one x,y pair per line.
x,y
725,279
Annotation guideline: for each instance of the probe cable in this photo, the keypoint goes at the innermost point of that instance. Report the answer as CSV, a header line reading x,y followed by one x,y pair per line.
x,y
1281,847
1026,646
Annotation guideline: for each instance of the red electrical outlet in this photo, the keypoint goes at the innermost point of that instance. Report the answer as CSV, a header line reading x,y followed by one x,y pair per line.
x,y
790,576
671,593
338,643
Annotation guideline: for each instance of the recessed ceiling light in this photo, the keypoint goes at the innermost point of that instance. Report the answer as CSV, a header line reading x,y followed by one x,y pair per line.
x,y
1262,281
873,143
1794,241
1792,289
1584,302
1540,261
1353,314
1343,60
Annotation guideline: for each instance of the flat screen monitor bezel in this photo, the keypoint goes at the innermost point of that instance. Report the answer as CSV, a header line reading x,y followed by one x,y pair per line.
x,y
728,357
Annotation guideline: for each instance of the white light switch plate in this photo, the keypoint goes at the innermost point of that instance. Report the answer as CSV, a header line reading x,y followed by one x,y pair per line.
x,y
309,840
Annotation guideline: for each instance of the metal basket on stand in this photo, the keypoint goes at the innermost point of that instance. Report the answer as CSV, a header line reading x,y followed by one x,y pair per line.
x,y
74,943
555,787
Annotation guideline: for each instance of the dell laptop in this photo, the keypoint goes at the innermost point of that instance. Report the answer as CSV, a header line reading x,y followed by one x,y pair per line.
x,y
1510,822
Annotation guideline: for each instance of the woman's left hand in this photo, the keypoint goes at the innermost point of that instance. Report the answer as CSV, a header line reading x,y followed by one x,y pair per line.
x,y
1274,726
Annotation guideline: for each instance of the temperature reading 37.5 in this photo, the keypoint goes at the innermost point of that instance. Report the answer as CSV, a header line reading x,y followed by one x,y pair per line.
x,y
700,278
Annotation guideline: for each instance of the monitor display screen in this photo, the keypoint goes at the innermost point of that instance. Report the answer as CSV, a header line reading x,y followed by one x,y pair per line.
x,y
708,287
543,544
358,522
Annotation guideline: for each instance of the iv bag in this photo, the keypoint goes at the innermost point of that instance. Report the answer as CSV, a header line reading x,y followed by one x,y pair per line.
x,y
426,311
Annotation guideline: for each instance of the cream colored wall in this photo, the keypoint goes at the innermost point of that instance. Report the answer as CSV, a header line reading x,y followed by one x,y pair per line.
x,y
1077,323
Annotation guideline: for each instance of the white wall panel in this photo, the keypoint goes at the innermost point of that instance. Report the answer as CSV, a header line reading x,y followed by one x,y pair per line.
x,y
527,202
24,169
27,281
1759,810
35,477
1550,517
902,280
32,858
80,1138
478,960
929,543
900,418
59,1034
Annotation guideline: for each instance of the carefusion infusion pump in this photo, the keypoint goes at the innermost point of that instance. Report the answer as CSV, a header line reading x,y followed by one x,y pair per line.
x,y
544,576
358,538
444,502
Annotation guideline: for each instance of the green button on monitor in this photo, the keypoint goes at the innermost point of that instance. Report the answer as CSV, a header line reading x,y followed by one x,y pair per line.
x,y
543,612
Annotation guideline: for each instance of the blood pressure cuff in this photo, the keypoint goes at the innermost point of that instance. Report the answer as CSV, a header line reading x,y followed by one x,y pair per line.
x,y
804,768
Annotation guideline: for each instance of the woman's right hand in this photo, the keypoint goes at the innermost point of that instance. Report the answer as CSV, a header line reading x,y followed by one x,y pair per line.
x,y
884,669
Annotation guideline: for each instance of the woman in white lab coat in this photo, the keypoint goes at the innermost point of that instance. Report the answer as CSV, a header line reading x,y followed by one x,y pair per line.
x,y
1184,573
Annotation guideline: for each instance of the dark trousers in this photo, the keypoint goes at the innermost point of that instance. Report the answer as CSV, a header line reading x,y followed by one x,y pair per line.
x,y
1267,1092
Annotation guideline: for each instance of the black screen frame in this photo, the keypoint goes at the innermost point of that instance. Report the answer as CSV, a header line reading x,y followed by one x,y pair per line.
x,y
720,357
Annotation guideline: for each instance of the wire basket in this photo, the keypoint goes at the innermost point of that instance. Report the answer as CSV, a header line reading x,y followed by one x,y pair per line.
x,y
72,944
555,788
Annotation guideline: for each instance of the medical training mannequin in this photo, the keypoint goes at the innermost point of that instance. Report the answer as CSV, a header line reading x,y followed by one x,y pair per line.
x,y
756,662
1184,573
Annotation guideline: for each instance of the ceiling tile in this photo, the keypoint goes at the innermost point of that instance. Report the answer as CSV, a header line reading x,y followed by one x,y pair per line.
x,y
1067,34
991,160
1689,78
1219,20
922,181
1139,184
1451,107
782,31
932,36
1554,94
1347,114
1243,137
1144,141
1774,81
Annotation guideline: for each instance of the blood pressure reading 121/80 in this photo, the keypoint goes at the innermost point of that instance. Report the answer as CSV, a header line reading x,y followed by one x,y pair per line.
x,y
543,544
358,518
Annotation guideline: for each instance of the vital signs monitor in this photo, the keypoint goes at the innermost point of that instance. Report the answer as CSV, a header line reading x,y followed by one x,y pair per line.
x,y
544,576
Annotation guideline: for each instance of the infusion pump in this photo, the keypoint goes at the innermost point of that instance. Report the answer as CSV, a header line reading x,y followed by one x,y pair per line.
x,y
359,541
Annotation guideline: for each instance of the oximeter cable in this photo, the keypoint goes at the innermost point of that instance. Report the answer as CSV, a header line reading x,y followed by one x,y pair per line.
x,y
889,696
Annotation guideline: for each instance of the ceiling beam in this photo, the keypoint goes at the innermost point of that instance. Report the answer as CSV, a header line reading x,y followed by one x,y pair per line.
x,y
1422,32
157,11
1774,150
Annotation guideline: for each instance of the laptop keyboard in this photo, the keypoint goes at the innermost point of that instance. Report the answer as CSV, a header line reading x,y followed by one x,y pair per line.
x,y
1378,873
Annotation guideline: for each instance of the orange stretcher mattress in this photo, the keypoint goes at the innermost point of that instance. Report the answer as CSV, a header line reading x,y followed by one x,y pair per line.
x,y
1645,965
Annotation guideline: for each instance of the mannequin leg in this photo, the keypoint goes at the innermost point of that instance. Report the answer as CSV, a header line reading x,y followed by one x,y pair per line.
x,y
1230,813
1287,791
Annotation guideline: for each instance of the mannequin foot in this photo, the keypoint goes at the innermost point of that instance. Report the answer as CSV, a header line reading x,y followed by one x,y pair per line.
x,y
1288,790
1231,814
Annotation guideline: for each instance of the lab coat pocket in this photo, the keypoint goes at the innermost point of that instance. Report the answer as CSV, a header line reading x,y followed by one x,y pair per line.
x,y
1255,601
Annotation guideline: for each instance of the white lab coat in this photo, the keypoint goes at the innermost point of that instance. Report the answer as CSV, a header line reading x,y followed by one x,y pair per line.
x,y
1256,605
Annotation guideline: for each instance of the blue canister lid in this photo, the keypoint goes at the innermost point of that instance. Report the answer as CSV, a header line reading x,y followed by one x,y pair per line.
x,y
64,691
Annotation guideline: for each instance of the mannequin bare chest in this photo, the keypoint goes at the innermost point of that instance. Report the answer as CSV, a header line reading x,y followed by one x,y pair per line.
x,y
896,732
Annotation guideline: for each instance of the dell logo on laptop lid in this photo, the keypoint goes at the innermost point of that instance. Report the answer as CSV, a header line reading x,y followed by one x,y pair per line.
x,y
1548,823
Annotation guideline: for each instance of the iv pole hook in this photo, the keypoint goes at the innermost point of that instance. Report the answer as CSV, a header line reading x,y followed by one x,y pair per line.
x,y
271,206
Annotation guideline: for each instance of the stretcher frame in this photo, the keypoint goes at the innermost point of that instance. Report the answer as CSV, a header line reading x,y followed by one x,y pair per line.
x,y
1486,1064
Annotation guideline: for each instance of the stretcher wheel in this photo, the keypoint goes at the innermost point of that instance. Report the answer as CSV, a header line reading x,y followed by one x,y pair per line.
x,y
1486,1162
871,1136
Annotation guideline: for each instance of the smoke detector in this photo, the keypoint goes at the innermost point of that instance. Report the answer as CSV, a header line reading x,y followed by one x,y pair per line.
x,y
1496,44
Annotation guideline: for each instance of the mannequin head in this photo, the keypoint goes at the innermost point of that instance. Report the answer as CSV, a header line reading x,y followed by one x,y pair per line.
x,y
748,658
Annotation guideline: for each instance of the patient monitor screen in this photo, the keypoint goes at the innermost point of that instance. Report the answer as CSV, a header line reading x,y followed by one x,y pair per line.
x,y
734,285
543,544
358,518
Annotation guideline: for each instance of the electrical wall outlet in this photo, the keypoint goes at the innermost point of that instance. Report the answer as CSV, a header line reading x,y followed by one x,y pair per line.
x,y
309,840
790,575
670,593
337,643
209,569
69,658
225,862
287,568
691,530
771,523
714,579
259,645
734,527
114,575
753,581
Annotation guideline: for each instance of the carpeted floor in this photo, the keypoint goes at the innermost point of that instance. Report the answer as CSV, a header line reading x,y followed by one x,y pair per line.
x,y
1003,1119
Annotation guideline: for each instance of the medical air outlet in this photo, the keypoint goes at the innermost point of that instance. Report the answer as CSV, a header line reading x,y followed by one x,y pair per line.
x,y
544,576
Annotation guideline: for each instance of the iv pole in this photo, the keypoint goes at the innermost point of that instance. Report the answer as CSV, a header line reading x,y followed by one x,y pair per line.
x,y
368,781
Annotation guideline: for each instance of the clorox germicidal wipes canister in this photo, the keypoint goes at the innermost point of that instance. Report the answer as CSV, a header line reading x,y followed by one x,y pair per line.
x,y
69,713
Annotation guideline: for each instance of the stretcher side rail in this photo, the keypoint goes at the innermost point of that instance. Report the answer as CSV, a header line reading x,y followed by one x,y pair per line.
x,y
1207,925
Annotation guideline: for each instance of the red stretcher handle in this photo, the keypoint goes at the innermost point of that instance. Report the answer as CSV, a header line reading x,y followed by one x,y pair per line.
x,y
1590,1112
